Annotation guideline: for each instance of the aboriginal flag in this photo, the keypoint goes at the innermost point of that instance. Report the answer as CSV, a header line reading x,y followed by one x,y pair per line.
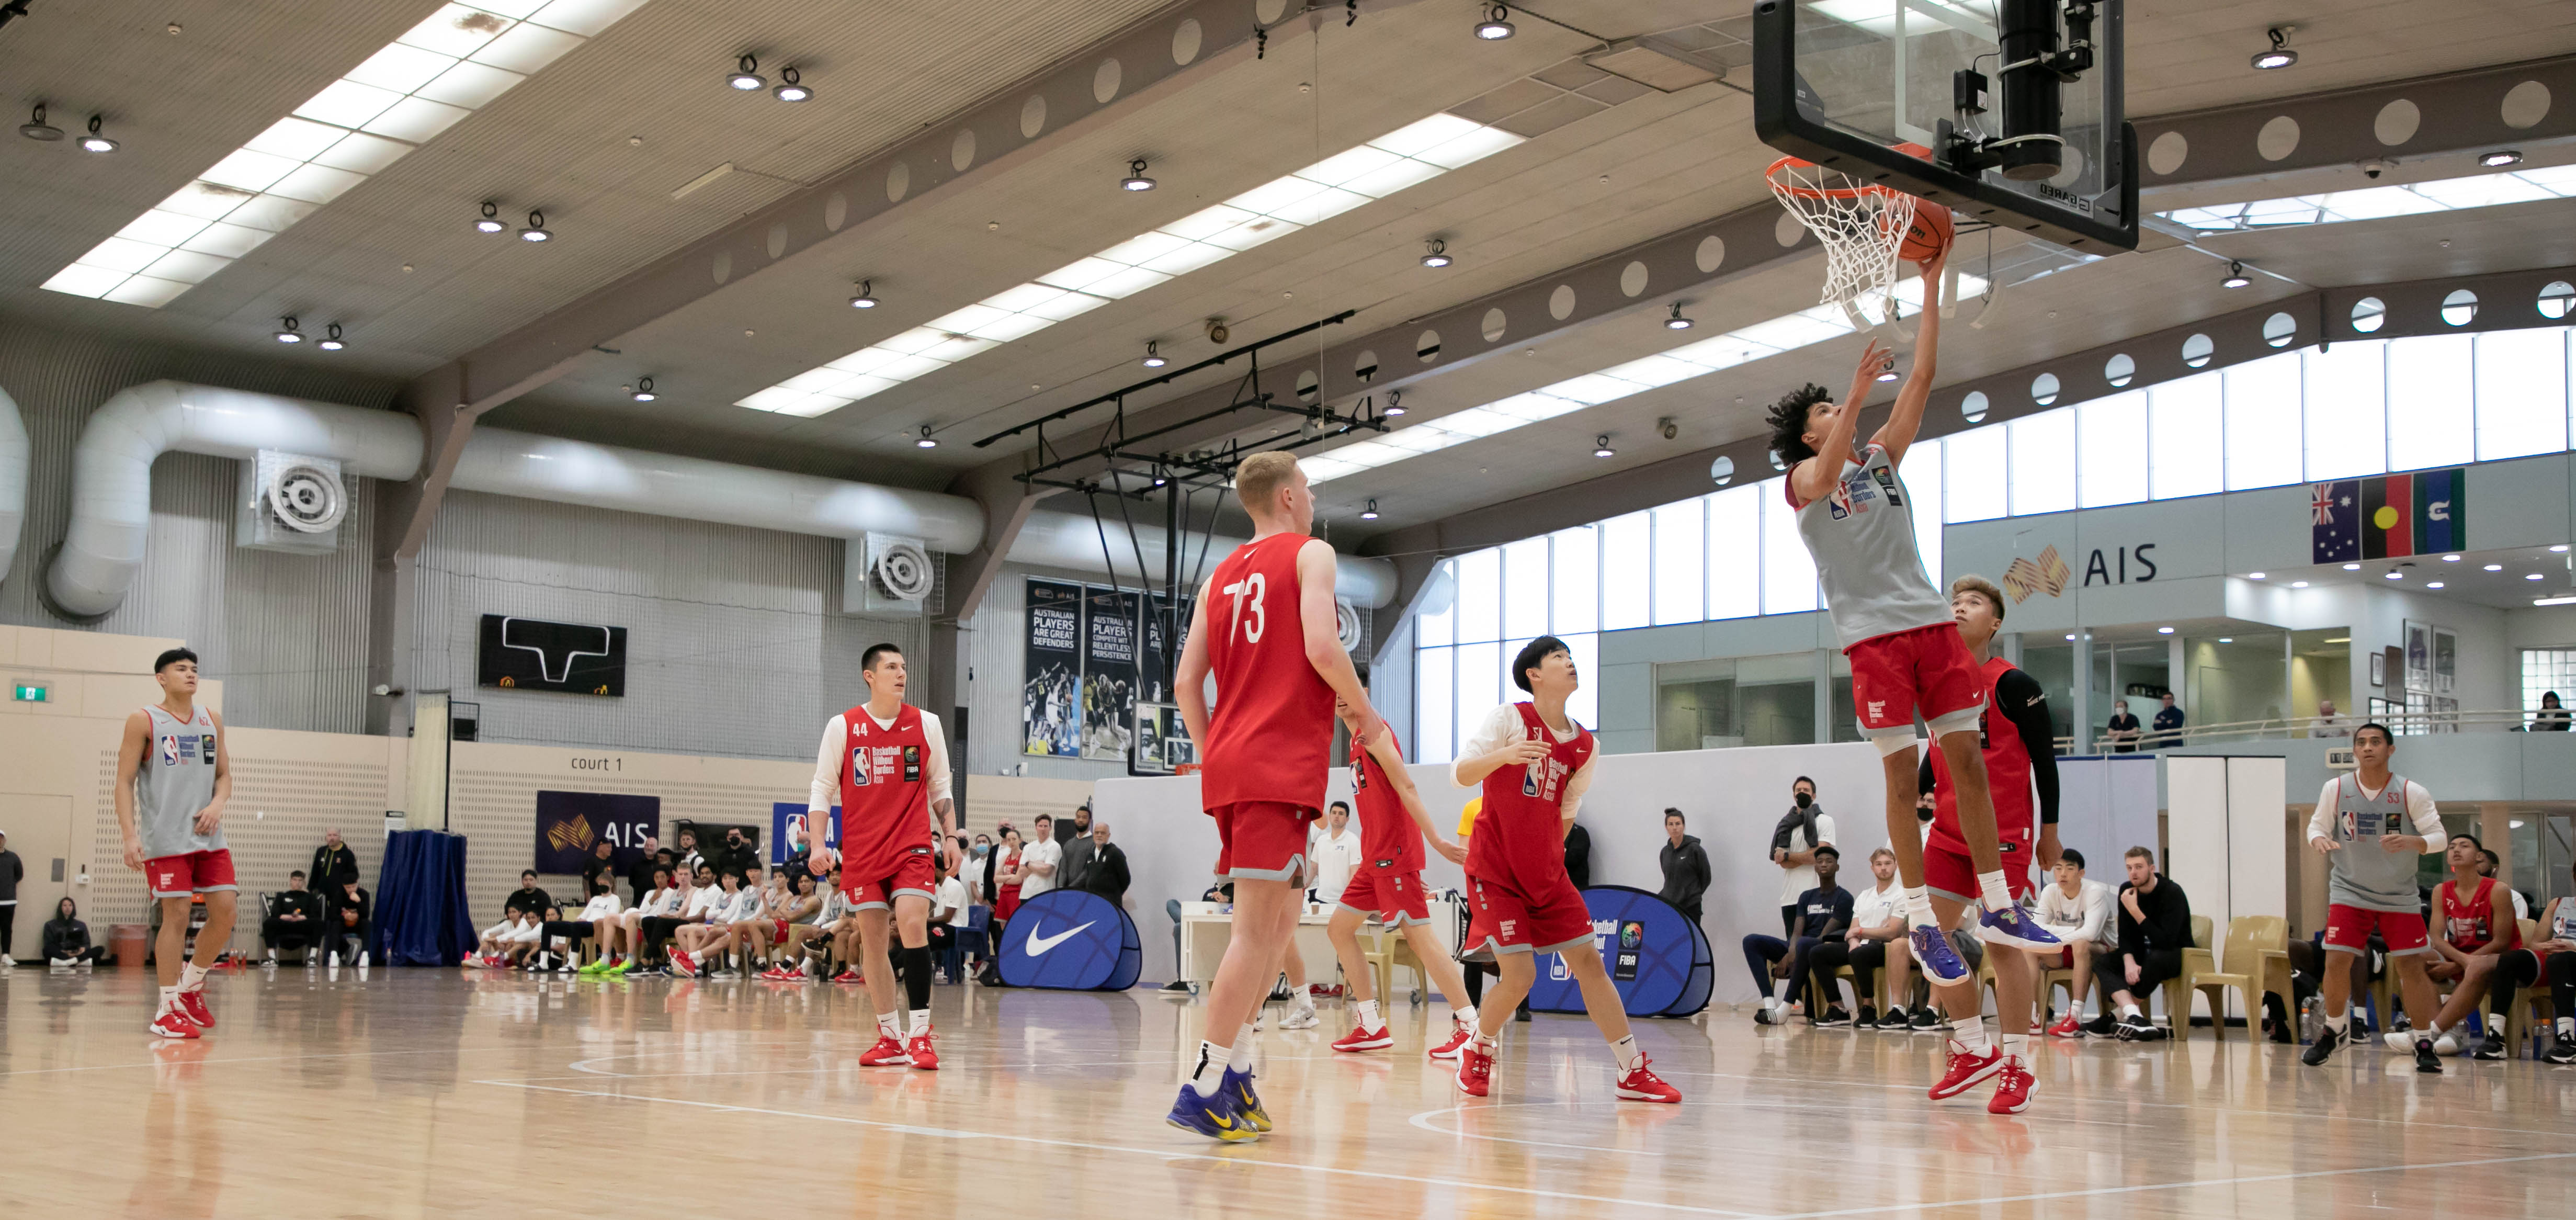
x,y
2388,517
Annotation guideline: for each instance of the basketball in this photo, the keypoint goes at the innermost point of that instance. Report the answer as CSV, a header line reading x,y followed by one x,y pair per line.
x,y
1928,234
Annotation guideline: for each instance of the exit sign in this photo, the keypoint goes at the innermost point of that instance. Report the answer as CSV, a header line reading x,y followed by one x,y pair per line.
x,y
26,693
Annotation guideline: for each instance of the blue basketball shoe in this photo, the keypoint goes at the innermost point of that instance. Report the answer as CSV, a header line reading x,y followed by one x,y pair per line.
x,y
1247,1102
1940,960
1218,1116
2013,927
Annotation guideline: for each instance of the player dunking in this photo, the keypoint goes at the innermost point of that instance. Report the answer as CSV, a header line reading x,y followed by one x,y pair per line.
x,y
1857,520
1388,885
1534,762
886,763
173,776
1263,626
2018,743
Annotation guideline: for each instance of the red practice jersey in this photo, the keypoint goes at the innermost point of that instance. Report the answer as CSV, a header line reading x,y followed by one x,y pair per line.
x,y
1519,839
2468,925
1389,840
1270,735
2007,771
885,792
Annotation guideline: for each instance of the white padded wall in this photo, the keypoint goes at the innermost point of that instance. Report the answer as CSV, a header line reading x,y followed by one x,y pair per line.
x,y
2196,823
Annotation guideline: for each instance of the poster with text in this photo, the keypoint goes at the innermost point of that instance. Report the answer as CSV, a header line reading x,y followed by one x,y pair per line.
x,y
1108,672
572,825
1051,694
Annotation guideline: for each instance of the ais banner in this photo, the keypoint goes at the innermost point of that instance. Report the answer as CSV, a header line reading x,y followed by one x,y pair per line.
x,y
571,825
1071,940
1656,956
1051,698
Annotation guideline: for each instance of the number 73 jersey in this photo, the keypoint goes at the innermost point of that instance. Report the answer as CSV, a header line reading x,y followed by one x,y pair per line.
x,y
1270,733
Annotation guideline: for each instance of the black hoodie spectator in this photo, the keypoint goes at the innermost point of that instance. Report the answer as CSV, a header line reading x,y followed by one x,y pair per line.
x,y
67,938
1686,872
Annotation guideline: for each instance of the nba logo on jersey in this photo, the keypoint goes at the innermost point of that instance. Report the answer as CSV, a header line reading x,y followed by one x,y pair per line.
x,y
859,777
1529,780
169,750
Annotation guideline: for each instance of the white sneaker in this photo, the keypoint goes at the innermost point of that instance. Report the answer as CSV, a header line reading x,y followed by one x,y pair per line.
x,y
1301,1016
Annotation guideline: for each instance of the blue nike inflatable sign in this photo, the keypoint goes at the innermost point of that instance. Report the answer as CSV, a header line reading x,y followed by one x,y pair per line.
x,y
1657,957
1070,940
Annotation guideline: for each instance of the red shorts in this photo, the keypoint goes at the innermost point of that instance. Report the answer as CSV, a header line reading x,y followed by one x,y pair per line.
x,y
2348,930
1926,669
1552,921
1393,895
876,886
197,872
1263,840
1948,869
778,929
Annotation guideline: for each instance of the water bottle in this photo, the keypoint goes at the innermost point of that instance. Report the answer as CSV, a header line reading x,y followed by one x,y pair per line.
x,y
2312,1019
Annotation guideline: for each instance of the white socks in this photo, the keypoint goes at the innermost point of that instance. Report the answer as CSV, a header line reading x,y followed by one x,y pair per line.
x,y
2015,1045
1970,1034
1365,1013
2130,1010
1241,1057
192,977
890,1025
2337,1023
1918,907
920,1021
169,1000
1464,1016
1625,1050
1210,1070
1991,886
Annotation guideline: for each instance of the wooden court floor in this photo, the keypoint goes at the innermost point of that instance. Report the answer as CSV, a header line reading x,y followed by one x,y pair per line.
x,y
435,1092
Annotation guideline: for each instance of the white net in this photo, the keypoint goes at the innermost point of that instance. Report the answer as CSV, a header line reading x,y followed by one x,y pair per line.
x,y
1862,225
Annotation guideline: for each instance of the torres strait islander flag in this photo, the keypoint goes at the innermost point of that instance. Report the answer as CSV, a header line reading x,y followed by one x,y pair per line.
x,y
2389,517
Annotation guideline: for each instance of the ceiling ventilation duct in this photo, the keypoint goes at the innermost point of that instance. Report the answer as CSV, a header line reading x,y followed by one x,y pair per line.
x,y
13,480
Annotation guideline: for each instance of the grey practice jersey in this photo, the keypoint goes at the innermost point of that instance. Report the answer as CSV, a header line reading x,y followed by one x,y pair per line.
x,y
1862,536
2363,874
175,782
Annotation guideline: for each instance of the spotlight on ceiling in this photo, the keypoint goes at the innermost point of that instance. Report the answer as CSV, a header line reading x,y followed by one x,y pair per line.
x,y
864,296
1369,513
2164,631
490,220
1676,321
1154,356
94,142
746,75
1435,253
1394,404
1601,446
925,440
2280,55
1497,24
331,341
2500,158
791,87
2235,275
36,128
536,230
1136,179
289,330
643,391
1888,373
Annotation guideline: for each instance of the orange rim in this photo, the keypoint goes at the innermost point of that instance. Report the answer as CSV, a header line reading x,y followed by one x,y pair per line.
x,y
1855,192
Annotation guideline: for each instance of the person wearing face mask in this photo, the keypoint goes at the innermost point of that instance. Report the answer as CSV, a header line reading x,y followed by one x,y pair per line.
x,y
1794,841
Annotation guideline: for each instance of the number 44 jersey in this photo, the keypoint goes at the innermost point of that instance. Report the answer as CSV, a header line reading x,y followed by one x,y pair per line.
x,y
1270,733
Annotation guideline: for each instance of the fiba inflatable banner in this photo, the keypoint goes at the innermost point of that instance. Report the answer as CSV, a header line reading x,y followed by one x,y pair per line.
x,y
1070,940
1656,956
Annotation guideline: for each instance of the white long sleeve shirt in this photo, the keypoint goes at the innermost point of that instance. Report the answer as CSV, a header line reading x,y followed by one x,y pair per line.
x,y
2086,916
825,790
601,906
1501,727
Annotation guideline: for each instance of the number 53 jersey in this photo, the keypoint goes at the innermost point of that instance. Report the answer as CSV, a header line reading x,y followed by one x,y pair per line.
x,y
1270,734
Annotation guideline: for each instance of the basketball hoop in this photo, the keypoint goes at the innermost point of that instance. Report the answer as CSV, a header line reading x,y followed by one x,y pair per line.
x,y
1860,224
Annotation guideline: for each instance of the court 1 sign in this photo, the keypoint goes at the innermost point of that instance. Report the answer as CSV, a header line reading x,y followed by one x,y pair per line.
x,y
1071,940
1656,956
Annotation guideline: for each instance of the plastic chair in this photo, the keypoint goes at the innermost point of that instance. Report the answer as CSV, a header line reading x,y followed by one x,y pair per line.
x,y
2053,977
2177,990
1877,997
2257,962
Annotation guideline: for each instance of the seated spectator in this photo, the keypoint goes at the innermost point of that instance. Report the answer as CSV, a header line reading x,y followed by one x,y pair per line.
x,y
620,935
1877,922
528,897
295,920
67,939
2327,724
2493,864
792,916
2478,944
594,916
488,946
2155,927
2078,911
2557,952
347,921
1108,876
2552,716
1822,912
1221,893
602,865
700,943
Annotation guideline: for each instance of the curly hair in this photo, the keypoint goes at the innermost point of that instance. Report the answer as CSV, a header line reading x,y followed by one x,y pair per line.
x,y
1789,422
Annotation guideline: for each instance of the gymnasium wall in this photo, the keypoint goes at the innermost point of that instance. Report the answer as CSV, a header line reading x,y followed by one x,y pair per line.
x,y
287,632
993,648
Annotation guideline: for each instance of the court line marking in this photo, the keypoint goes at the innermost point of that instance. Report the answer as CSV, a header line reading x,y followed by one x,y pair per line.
x,y
2249,1179
1156,1153
1421,1121
158,1063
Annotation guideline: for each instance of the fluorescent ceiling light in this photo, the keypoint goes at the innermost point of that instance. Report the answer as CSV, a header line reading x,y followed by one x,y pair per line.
x,y
2381,202
1415,153
1769,338
455,62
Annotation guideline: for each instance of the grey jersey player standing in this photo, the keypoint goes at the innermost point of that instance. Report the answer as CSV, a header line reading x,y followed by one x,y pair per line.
x,y
173,778
2373,826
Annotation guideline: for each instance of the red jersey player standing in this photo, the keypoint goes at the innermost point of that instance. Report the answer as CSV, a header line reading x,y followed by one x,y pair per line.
x,y
2018,743
1263,627
1857,520
1534,762
886,763
1388,886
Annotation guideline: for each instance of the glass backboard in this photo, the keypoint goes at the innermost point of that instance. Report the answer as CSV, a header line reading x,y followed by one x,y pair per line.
x,y
1882,90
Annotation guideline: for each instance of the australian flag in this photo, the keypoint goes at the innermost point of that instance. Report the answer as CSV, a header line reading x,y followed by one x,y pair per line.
x,y
2335,522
